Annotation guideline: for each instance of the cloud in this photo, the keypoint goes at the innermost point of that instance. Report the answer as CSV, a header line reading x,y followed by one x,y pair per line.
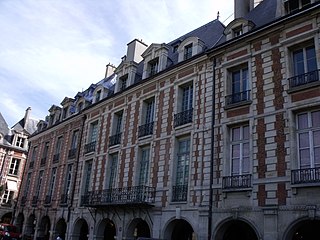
x,y
50,49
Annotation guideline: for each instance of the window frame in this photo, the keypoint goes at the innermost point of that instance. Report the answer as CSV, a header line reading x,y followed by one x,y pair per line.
x,y
15,170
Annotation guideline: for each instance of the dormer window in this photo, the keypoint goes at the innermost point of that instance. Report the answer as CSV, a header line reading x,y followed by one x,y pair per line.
x,y
294,5
123,82
153,67
188,51
65,112
20,142
98,96
237,31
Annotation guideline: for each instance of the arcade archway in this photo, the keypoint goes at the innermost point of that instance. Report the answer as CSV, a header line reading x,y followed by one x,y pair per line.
x,y
305,229
61,228
138,228
179,229
106,230
81,230
235,230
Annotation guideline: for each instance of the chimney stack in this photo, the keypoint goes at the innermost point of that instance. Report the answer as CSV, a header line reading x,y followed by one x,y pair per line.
x,y
242,7
134,51
27,116
109,70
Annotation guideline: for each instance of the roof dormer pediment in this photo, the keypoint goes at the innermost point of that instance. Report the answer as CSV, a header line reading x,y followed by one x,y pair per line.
x,y
66,101
154,47
241,25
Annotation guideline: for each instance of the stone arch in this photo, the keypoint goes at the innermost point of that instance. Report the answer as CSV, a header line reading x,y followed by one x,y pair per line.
x,y
138,228
81,230
19,221
106,229
30,226
234,229
61,228
179,229
44,228
6,218
304,228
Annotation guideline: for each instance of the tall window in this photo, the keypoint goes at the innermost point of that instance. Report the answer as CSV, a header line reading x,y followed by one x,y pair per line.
x,y
304,60
147,118
7,196
144,165
58,149
52,184
39,184
93,132
308,129
87,176
188,51
183,161
113,165
14,166
185,110
294,5
45,150
116,129
240,150
27,186
98,96
68,179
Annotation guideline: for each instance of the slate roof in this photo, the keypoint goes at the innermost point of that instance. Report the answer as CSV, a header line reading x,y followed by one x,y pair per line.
x,y
264,13
4,129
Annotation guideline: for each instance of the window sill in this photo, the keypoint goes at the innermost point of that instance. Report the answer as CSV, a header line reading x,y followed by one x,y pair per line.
x,y
238,104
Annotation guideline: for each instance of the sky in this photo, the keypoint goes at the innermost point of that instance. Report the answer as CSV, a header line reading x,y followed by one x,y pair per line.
x,y
52,49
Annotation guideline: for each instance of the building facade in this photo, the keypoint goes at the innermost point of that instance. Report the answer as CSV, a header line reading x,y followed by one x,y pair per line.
x,y
13,157
215,135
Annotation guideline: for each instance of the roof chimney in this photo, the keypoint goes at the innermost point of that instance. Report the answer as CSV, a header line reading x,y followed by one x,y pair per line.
x,y
135,49
242,7
27,116
109,70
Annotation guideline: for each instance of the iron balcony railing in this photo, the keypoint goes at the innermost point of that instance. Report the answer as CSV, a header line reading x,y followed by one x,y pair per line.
x,y
183,117
179,193
115,139
238,97
304,79
146,129
237,181
72,153
56,157
90,147
305,176
120,196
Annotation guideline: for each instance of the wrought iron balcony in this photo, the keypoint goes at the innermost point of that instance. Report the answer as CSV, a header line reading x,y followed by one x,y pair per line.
x,y
238,97
63,199
305,176
179,193
115,139
43,161
237,181
90,147
183,117
304,79
146,129
34,201
138,195
56,157
72,153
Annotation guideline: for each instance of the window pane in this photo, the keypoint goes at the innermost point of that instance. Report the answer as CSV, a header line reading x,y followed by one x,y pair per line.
x,y
236,151
298,62
245,165
245,132
236,86
315,117
235,166
304,140
304,158
317,157
311,59
245,150
235,134
303,121
316,138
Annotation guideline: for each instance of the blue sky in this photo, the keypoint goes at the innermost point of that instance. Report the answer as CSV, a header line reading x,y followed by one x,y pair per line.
x,y
50,49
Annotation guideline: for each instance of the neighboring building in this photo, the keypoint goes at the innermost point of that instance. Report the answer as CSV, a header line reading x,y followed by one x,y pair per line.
x,y
13,155
215,135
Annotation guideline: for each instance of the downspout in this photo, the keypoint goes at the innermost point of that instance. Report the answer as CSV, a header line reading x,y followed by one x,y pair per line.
x,y
212,151
76,169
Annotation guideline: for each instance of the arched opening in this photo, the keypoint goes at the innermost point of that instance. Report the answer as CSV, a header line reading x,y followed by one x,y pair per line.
x,y
44,228
179,229
236,229
306,229
6,218
106,230
30,226
81,230
61,228
19,222
138,228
